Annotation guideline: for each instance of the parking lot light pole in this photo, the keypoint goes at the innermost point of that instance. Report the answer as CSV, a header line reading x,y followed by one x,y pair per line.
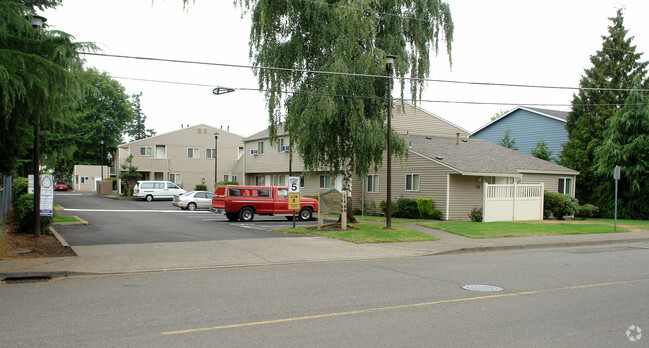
x,y
388,210
216,144
102,160
37,23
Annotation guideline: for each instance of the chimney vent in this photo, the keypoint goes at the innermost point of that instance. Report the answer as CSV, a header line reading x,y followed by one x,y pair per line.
x,y
457,138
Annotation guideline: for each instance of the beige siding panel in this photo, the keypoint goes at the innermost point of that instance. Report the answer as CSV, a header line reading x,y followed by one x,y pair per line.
x,y
417,121
432,182
465,193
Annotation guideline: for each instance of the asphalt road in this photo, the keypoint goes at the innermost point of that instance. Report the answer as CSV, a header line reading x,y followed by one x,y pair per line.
x,y
132,222
567,297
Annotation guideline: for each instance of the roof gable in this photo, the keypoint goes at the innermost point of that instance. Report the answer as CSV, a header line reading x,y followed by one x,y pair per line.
x,y
553,114
190,130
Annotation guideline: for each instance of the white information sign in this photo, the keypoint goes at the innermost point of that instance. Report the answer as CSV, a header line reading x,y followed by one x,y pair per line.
x,y
47,195
30,184
293,184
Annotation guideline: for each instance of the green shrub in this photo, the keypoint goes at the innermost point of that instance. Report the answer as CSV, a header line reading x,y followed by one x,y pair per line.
x,y
559,204
586,211
436,214
425,207
19,188
405,208
226,183
476,214
357,211
201,187
383,206
25,213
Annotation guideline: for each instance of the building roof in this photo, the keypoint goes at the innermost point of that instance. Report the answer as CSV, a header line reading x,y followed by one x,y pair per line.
x,y
202,125
265,133
480,157
554,114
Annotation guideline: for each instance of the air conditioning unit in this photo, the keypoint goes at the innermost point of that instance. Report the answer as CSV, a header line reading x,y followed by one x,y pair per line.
x,y
253,152
284,148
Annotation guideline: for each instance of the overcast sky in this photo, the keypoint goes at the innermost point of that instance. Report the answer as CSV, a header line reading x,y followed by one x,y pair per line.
x,y
499,41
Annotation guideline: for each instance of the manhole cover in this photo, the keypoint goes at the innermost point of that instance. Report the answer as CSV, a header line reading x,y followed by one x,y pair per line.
x,y
485,288
19,251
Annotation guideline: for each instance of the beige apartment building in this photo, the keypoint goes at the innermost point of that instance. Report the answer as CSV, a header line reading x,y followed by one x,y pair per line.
x,y
443,164
188,156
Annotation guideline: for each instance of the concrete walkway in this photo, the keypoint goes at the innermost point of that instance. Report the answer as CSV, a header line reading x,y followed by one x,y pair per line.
x,y
159,257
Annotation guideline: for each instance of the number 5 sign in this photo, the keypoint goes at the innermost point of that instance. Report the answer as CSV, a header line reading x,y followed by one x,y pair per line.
x,y
293,184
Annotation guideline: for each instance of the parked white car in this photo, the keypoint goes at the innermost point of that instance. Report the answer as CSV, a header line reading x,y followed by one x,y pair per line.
x,y
151,190
193,200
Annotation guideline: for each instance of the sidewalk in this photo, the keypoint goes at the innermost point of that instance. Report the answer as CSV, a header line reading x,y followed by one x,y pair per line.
x,y
160,257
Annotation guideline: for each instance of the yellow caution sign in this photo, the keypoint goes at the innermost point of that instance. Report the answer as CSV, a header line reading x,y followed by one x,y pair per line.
x,y
294,201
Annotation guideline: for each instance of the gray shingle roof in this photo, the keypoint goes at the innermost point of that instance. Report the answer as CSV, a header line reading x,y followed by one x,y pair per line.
x,y
264,134
475,156
556,113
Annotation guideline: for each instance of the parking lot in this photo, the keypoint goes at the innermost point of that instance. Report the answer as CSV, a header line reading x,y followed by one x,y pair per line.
x,y
112,221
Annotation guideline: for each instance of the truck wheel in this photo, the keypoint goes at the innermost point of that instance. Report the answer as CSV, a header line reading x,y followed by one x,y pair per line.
x,y
246,214
149,198
305,214
232,216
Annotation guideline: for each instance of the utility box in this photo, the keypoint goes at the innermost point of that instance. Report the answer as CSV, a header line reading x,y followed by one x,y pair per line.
x,y
106,187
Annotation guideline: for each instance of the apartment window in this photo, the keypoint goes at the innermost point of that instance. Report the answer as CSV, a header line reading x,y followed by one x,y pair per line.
x,y
145,151
260,180
278,180
226,177
565,186
412,182
373,183
280,144
260,147
302,180
176,178
233,177
84,180
193,152
210,153
325,181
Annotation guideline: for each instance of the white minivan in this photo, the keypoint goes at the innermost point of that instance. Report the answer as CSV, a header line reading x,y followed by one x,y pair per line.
x,y
151,190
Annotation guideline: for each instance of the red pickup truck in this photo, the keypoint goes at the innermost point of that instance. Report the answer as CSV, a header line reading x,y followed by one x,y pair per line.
x,y
240,202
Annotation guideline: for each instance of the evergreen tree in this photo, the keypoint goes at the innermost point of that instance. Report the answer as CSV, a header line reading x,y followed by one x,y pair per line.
x,y
626,144
507,141
137,130
38,83
614,67
337,121
541,151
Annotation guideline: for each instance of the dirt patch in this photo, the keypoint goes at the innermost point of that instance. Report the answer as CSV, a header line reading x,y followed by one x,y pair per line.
x,y
44,246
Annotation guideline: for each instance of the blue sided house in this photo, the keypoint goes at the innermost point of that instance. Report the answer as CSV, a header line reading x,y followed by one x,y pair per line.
x,y
527,126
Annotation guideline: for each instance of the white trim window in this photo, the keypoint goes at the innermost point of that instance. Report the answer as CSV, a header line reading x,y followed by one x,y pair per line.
x,y
260,147
373,183
565,186
280,144
233,178
412,182
324,181
210,153
176,178
146,151
85,180
193,152
278,180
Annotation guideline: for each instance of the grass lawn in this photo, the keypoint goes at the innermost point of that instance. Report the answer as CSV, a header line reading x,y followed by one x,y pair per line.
x,y
641,224
59,218
367,233
479,230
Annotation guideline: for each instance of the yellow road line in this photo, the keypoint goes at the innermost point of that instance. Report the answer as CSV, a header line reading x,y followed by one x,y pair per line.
x,y
412,305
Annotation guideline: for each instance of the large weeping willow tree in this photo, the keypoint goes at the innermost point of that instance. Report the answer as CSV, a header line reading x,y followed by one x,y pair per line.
x,y
337,121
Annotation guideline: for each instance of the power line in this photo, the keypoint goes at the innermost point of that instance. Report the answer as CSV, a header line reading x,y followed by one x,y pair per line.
x,y
362,97
493,84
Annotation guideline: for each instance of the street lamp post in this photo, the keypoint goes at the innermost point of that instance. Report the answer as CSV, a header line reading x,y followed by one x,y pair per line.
x,y
388,210
102,160
216,144
37,23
